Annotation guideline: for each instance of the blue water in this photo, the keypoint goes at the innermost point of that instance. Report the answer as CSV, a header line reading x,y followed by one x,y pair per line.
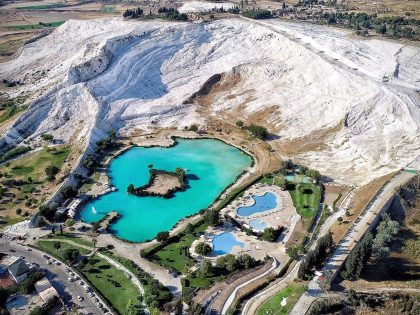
x,y
298,179
263,203
210,165
258,224
223,243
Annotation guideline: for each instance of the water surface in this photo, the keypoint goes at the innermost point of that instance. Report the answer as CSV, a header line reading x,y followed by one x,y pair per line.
x,y
210,165
263,203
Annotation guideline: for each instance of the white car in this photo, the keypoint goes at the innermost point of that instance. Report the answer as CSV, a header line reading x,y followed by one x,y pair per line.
x,y
81,282
80,298
70,279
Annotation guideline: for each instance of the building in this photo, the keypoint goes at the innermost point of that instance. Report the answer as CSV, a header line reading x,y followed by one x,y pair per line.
x,y
70,207
6,261
18,271
45,290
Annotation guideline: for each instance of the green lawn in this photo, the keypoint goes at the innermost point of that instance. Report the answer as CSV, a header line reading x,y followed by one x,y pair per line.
x,y
42,6
35,26
272,305
111,282
33,165
48,246
72,238
172,257
306,200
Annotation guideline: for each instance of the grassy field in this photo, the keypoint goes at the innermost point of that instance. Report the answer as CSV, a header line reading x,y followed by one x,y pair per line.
x,y
43,6
48,247
171,256
72,238
35,26
272,305
34,189
306,200
111,282
33,165
11,112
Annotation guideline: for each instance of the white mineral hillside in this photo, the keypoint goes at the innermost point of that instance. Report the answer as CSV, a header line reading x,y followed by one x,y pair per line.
x,y
299,80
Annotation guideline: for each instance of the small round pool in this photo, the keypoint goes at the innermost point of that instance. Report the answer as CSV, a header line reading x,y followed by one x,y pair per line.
x,y
223,243
263,203
258,225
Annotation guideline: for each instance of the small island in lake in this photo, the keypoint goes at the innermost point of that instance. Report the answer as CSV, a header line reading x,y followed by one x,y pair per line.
x,y
161,183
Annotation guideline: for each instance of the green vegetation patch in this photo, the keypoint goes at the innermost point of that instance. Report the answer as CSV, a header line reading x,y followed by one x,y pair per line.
x,y
49,247
33,165
108,9
306,197
43,6
273,304
175,255
111,282
40,25
72,238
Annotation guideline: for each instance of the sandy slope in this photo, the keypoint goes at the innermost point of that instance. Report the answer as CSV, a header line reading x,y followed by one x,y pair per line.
x,y
90,74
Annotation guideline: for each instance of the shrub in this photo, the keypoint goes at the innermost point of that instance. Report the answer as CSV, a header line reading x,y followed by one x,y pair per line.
x,y
203,249
162,236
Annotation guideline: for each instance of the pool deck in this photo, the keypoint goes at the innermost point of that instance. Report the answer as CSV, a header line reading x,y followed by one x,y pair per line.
x,y
284,214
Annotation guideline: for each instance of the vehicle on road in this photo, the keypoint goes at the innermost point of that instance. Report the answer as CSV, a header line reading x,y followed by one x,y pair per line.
x,y
80,298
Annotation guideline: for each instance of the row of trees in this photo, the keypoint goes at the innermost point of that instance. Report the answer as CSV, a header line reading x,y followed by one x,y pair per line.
x,y
256,131
370,246
391,26
315,258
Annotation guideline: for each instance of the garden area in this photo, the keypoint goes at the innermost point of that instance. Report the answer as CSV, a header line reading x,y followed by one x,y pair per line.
x,y
27,181
282,302
111,282
175,255
305,194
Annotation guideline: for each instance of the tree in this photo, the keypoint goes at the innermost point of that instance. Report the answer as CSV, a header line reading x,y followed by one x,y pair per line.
x,y
57,246
162,236
203,249
131,189
240,123
61,229
205,267
71,255
193,128
212,217
47,137
189,228
18,211
245,261
258,132
270,234
53,229
314,174
358,258
95,226
293,252
68,192
51,171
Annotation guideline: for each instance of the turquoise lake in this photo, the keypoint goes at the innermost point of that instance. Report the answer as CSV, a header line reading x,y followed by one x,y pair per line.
x,y
211,166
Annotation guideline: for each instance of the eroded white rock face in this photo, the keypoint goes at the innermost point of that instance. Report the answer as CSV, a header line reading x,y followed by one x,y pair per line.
x,y
90,75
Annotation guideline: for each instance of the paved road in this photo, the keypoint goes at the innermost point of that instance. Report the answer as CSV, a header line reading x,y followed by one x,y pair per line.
x,y
354,234
56,274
